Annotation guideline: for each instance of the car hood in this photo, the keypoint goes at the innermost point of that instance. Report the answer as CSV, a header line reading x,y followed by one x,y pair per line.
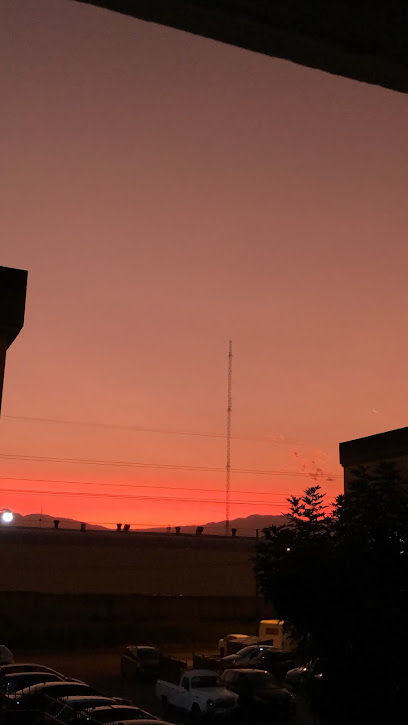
x,y
296,671
229,659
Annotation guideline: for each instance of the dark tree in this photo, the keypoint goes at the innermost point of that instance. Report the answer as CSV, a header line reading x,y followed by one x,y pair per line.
x,y
340,582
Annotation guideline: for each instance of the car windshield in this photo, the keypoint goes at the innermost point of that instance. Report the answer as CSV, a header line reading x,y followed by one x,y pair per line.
x,y
205,681
60,690
247,651
20,681
148,653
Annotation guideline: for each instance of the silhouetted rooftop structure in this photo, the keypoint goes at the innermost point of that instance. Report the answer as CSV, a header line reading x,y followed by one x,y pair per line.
x,y
389,446
363,41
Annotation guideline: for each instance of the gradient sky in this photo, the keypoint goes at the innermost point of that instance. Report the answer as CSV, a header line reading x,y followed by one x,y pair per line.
x,y
167,193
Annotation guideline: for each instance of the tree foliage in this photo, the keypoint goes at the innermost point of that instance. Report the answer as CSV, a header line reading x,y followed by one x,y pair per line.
x,y
339,580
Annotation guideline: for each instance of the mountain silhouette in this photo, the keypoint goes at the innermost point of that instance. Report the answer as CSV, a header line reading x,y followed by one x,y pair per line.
x,y
245,526
45,521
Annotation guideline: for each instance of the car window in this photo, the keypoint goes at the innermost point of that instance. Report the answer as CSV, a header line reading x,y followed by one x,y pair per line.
x,y
246,651
185,683
255,653
204,681
148,653
18,682
132,652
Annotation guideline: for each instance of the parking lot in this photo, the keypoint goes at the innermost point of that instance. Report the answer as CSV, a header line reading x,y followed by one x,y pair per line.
x,y
100,668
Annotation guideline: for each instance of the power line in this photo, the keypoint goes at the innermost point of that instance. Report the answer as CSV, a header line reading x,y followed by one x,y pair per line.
x,y
137,498
141,429
164,526
166,466
132,485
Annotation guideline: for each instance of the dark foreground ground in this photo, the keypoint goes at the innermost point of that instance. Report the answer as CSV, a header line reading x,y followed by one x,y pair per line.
x,y
100,668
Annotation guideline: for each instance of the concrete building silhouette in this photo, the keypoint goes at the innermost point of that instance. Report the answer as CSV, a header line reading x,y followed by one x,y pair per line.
x,y
390,446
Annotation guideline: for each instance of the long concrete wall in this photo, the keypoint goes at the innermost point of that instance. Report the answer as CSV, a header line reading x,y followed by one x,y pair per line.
x,y
86,588
125,563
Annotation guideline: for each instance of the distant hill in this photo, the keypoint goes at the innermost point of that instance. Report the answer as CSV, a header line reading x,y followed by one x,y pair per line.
x,y
46,521
245,526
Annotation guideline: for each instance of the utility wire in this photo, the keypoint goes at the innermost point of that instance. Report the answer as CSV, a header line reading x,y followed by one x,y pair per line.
x,y
146,430
135,498
132,485
166,466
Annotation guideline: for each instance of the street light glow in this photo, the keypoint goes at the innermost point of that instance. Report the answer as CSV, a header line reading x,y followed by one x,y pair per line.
x,y
6,517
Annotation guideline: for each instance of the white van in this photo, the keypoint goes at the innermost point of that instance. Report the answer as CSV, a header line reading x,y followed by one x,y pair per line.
x,y
272,630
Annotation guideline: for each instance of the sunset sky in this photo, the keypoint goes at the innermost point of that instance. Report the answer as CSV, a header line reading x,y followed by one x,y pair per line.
x,y
167,193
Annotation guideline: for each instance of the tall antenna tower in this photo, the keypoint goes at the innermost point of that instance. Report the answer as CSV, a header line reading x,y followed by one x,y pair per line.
x,y
228,467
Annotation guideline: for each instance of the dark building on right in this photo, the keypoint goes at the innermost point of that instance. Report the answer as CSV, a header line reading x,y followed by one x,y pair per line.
x,y
389,446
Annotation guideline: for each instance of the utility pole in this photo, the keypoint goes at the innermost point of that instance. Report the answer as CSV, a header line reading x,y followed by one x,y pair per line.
x,y
228,467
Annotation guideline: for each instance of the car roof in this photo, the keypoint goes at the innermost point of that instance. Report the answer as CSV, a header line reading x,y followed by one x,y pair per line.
x,y
49,685
113,707
88,698
247,671
30,672
238,635
147,646
141,722
25,664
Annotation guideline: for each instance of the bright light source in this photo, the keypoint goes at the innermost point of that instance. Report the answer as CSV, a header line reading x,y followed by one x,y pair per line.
x,y
7,516
288,548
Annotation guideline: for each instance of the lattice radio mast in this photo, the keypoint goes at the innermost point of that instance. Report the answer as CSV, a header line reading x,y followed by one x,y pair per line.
x,y
228,467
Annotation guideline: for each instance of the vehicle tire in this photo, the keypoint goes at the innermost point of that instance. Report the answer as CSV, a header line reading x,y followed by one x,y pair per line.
x,y
122,672
165,703
195,711
222,652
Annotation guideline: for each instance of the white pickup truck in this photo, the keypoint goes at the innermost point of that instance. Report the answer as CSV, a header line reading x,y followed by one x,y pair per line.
x,y
198,693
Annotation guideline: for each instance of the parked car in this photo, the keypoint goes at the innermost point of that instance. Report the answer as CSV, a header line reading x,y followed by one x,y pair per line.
x,y
261,657
140,661
139,722
143,721
231,643
34,697
6,657
260,691
19,680
26,667
298,676
199,693
66,709
114,714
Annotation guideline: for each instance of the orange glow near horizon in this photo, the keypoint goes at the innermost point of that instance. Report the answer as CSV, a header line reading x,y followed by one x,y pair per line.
x,y
129,492
168,193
